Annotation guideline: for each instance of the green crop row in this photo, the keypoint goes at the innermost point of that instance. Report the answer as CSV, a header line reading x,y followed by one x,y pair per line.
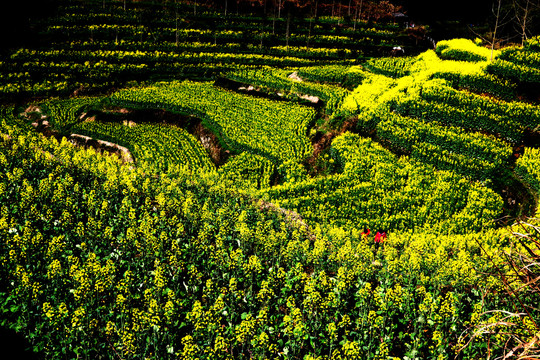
x,y
193,46
143,33
528,168
446,114
346,76
166,147
521,56
273,129
378,190
526,115
279,81
63,114
533,44
466,75
90,59
447,148
110,259
249,171
463,50
9,121
514,71
393,67
480,83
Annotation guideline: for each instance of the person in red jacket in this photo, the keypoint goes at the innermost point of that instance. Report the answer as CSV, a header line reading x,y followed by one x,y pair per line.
x,y
365,233
378,236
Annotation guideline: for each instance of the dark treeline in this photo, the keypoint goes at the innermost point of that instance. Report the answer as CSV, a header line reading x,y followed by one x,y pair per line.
x,y
515,20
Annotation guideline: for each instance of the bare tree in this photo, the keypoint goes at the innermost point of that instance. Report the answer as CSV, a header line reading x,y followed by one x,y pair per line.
x,y
497,18
524,10
358,11
501,17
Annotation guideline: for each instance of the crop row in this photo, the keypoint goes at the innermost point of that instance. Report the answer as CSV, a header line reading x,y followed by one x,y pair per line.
x,y
161,17
89,58
393,67
524,114
378,190
463,50
523,57
128,59
447,148
514,71
63,114
279,81
143,33
483,121
164,146
49,77
60,79
248,170
164,47
528,168
346,76
466,75
273,129
240,24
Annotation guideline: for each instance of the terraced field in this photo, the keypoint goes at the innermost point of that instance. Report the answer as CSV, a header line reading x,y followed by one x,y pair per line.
x,y
263,251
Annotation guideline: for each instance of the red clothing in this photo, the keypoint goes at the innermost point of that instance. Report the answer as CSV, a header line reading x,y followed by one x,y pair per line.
x,y
365,233
378,237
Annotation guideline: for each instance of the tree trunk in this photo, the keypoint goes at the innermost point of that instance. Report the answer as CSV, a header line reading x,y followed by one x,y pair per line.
x,y
524,23
262,34
309,34
358,13
274,20
176,21
495,31
289,16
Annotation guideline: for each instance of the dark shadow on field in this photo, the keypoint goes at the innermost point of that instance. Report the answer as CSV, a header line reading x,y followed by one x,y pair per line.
x,y
15,347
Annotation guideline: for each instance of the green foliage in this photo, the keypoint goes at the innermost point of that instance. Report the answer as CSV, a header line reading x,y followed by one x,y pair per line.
x,y
164,146
248,170
447,148
456,116
278,81
347,76
114,259
170,258
63,114
524,114
269,128
463,50
392,67
518,64
379,190
528,169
